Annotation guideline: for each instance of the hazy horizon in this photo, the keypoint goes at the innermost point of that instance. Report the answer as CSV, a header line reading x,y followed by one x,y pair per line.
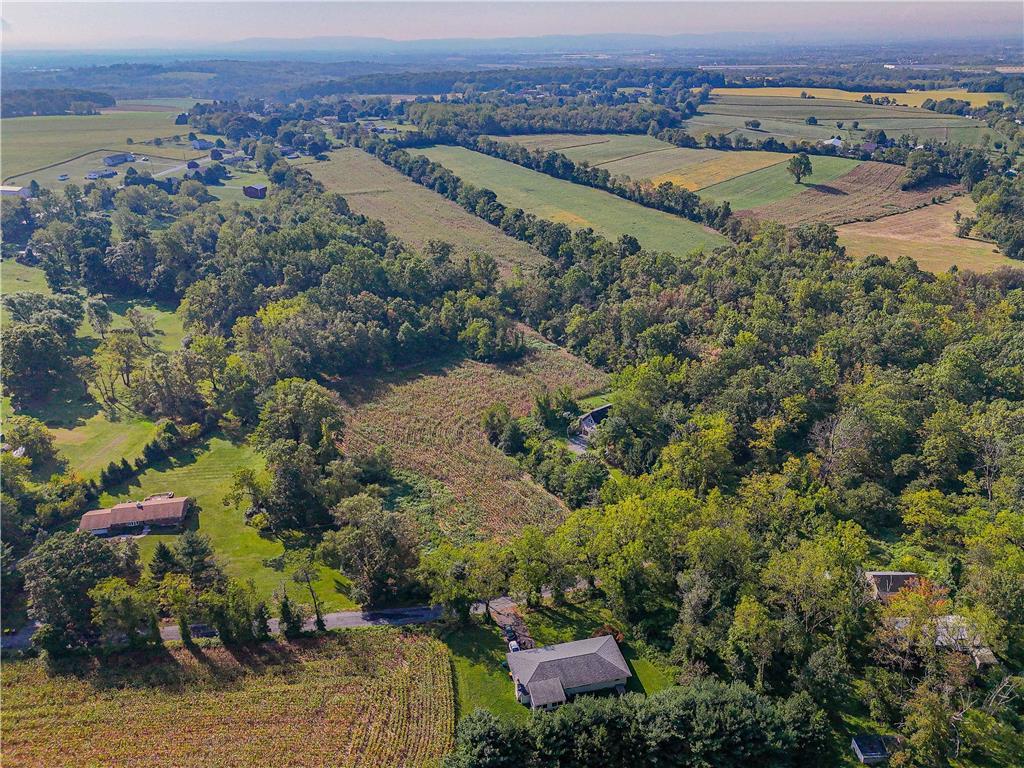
x,y
169,26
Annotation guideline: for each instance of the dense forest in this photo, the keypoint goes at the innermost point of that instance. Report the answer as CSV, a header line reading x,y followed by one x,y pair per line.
x,y
44,101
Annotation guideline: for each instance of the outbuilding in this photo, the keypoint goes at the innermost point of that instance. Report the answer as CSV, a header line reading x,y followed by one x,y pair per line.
x,y
255,191
869,749
202,144
119,159
9,190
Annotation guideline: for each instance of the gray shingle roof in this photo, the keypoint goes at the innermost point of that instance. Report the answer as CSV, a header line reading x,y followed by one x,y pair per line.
x,y
576,664
544,692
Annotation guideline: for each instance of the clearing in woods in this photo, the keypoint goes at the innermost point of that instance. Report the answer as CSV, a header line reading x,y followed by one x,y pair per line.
x,y
645,157
414,213
575,205
774,183
429,418
868,192
927,235
370,697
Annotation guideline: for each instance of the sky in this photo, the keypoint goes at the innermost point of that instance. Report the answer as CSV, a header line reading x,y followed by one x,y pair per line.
x,y
92,25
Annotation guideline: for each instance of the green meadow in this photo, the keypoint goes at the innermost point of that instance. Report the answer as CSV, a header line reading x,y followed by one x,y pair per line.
x,y
575,205
774,183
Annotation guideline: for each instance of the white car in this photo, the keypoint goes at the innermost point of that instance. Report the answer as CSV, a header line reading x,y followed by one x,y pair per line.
x,y
513,646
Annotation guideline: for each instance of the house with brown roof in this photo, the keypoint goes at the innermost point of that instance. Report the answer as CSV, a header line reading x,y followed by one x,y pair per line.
x,y
885,584
549,676
163,510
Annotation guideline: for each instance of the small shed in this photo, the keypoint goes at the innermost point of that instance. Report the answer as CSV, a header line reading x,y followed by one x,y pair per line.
x,y
202,144
255,191
870,749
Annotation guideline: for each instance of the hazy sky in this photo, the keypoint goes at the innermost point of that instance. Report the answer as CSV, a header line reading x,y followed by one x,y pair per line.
x,y
129,25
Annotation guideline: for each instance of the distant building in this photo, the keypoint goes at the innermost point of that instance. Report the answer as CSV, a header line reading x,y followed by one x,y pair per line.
x,y
549,676
255,191
163,510
202,144
14,191
868,146
885,584
833,142
119,159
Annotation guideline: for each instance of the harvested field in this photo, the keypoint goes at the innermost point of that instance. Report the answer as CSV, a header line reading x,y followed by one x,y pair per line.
x,y
594,148
429,418
868,192
359,698
414,213
722,166
927,235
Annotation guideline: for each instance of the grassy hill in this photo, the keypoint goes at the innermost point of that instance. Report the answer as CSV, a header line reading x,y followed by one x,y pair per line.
x,y
767,185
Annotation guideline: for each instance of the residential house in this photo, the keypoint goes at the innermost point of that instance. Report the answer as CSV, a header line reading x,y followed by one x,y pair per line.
x,y
255,191
833,142
549,676
119,159
885,584
955,633
163,510
202,144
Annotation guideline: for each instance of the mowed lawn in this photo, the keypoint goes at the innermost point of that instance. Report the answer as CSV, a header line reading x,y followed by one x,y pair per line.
x,y
32,142
909,98
575,205
204,473
773,183
414,213
429,418
927,235
369,697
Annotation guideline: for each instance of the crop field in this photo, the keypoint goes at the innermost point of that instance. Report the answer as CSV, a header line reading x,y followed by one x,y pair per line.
x,y
867,192
644,157
927,235
204,473
909,98
429,418
575,205
414,213
359,698
784,118
771,184
30,143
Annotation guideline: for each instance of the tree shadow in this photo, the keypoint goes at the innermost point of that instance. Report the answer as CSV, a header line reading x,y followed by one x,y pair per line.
x,y
67,405
826,189
361,388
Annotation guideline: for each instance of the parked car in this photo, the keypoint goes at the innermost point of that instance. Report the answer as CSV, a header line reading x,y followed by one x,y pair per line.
x,y
63,177
513,646
510,634
202,630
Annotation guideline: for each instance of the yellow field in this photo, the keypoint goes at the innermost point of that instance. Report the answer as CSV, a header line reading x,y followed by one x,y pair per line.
x,y
910,98
723,166
927,235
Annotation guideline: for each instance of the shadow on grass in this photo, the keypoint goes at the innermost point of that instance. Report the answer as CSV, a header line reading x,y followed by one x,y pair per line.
x,y
825,189
66,406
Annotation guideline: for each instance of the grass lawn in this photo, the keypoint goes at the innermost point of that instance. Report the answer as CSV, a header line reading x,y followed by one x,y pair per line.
x,y
552,624
414,213
204,474
231,190
575,205
773,183
481,682
368,697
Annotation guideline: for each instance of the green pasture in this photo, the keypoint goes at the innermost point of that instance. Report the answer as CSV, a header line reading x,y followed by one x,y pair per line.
x,y
231,190
157,164
575,205
204,473
593,148
29,143
773,183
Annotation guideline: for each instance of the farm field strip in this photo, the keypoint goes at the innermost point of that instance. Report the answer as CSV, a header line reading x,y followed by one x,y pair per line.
x,y
359,698
867,192
594,148
429,418
575,205
416,214
774,183
910,98
927,235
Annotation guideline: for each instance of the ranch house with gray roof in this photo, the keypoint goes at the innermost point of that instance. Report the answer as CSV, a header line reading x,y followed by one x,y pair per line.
x,y
549,676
